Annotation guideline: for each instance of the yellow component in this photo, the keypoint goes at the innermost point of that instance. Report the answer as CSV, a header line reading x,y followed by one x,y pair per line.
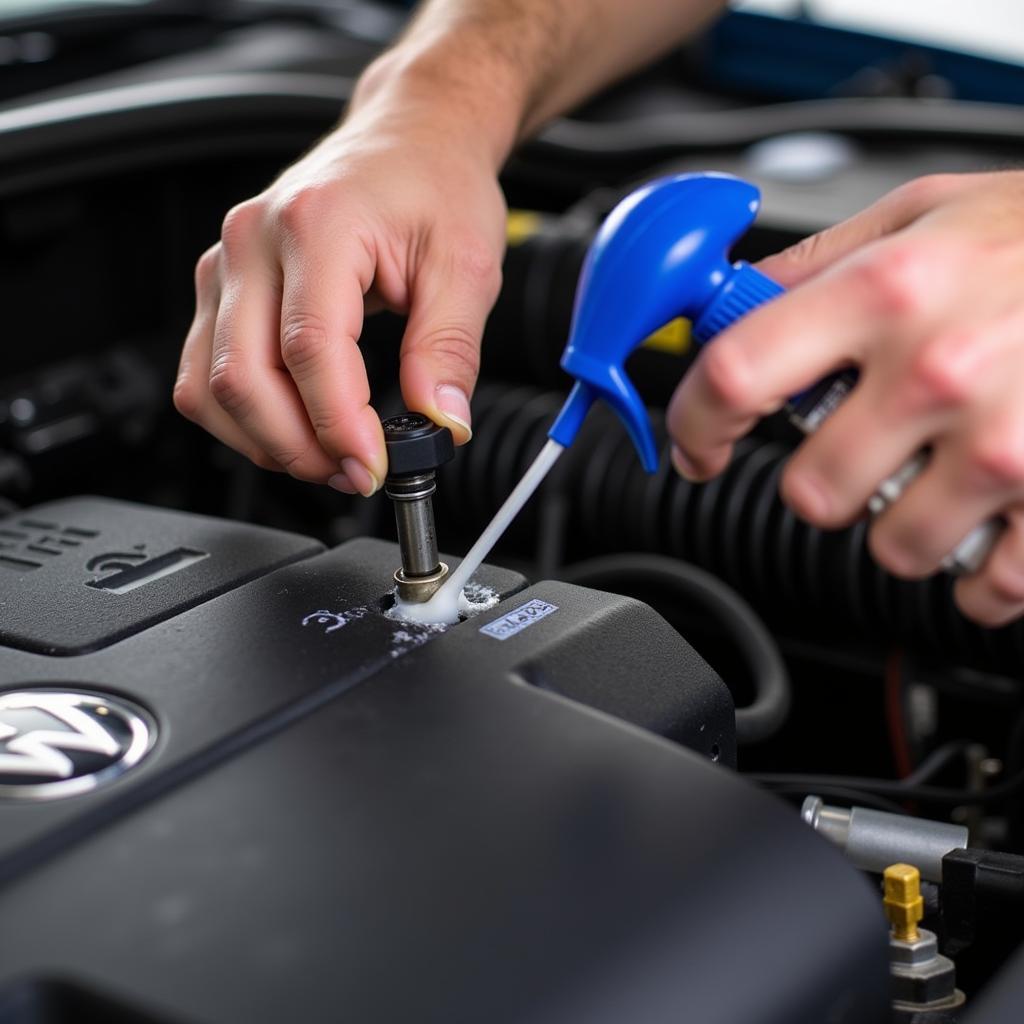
x,y
674,338
903,904
522,225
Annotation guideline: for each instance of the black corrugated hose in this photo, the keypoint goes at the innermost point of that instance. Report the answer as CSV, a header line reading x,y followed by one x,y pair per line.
x,y
598,499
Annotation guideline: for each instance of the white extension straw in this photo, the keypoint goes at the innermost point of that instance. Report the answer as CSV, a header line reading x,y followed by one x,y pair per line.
x,y
444,605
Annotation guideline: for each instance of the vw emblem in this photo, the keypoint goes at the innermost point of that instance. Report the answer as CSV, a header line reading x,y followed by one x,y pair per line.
x,y
56,742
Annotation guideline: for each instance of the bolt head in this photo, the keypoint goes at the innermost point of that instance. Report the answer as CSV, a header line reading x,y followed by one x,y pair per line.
x,y
416,445
928,982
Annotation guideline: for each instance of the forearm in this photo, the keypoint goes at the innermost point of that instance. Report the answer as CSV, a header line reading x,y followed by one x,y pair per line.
x,y
494,71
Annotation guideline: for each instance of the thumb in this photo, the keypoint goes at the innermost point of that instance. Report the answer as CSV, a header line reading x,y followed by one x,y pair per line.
x,y
890,214
441,348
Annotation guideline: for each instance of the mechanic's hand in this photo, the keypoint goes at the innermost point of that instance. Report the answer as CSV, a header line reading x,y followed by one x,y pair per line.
x,y
924,292
386,212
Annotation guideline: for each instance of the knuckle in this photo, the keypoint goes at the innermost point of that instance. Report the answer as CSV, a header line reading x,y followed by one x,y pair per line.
x,y
1006,581
937,380
303,341
921,193
300,209
807,250
187,397
896,279
229,383
728,376
895,557
206,268
264,461
329,425
239,225
800,492
997,461
296,462
980,608
457,348
289,459
325,426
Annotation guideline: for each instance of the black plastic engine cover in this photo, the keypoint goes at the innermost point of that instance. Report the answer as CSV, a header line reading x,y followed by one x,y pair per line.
x,y
348,818
77,575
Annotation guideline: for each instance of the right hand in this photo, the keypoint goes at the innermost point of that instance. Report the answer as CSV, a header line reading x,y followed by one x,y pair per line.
x,y
389,211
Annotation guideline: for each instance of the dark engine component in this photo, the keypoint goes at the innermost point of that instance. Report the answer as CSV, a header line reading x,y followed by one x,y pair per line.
x,y
78,575
736,526
232,789
336,814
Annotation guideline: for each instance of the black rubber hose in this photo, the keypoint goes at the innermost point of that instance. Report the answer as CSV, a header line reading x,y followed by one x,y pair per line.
x,y
942,796
737,528
660,135
758,720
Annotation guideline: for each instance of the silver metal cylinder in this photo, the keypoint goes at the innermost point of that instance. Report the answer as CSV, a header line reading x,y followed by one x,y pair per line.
x,y
875,839
417,536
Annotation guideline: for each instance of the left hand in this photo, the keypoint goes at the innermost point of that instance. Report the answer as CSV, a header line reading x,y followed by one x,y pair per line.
x,y
924,292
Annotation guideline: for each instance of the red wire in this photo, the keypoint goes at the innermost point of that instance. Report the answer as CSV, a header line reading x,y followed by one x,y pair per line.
x,y
895,716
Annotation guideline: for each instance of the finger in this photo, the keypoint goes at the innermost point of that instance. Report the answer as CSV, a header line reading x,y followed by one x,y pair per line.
x,y
751,369
441,347
977,465
973,474
891,213
321,320
868,439
191,387
247,379
938,509
994,596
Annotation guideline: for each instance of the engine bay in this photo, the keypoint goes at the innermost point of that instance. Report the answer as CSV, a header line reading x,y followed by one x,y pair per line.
x,y
592,799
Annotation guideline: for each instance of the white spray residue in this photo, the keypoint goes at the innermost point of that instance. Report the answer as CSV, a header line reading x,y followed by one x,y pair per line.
x,y
412,634
444,606
474,599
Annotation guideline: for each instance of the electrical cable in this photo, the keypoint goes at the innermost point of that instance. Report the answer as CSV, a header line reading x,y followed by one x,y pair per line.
x,y
939,759
766,714
851,791
855,797
937,795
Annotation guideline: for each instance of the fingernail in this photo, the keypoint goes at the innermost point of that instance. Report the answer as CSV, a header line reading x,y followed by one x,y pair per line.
x,y
340,482
453,404
362,479
684,467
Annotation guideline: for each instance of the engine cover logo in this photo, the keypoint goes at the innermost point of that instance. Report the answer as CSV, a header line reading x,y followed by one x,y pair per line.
x,y
57,743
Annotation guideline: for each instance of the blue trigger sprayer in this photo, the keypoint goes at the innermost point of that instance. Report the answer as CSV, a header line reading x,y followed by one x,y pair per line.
x,y
662,253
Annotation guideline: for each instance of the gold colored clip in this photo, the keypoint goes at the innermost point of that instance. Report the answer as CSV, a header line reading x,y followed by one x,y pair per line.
x,y
903,904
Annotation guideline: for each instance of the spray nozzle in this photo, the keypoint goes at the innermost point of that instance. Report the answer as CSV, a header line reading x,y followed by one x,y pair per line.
x,y
663,252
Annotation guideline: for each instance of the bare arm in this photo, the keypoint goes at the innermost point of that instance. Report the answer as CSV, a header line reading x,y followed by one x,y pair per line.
x,y
509,66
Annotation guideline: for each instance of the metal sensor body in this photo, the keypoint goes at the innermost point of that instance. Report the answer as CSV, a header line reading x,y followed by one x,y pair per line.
x,y
875,839
416,448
